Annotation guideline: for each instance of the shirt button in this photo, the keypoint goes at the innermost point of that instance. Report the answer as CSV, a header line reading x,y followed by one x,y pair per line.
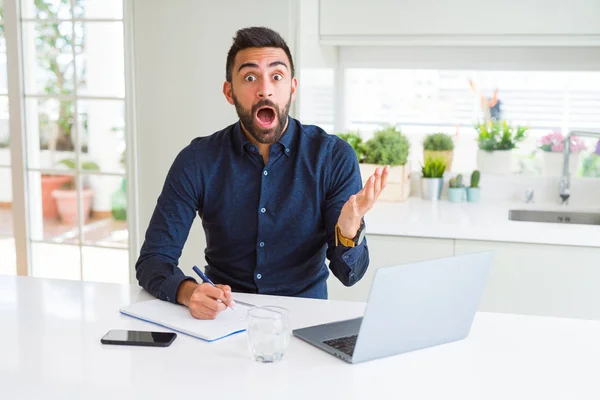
x,y
287,150
258,276
262,244
265,173
263,210
252,148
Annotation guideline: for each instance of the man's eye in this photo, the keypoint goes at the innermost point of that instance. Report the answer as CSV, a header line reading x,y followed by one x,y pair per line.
x,y
250,78
278,77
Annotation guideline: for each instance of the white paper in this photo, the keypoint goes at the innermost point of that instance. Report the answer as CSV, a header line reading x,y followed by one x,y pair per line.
x,y
178,318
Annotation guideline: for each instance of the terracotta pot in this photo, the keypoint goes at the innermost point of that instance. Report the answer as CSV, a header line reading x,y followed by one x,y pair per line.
x,y
49,184
66,201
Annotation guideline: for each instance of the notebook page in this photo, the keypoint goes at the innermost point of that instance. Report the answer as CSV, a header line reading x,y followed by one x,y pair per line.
x,y
178,318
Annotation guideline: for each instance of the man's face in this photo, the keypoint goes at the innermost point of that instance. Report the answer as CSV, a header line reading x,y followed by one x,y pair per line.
x,y
262,89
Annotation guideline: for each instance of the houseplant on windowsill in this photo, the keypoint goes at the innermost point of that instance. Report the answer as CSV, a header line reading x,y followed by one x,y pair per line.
x,y
432,180
388,146
552,146
439,144
66,197
456,189
473,191
496,141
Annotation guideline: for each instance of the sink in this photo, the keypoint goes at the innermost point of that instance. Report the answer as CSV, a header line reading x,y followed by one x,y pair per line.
x,y
559,217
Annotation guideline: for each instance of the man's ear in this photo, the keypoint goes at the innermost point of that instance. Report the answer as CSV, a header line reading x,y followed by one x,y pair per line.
x,y
228,92
294,85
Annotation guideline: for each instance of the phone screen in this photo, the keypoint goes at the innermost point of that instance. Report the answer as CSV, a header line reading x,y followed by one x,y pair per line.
x,y
139,338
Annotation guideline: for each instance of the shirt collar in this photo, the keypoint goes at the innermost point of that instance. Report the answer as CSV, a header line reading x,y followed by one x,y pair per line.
x,y
240,141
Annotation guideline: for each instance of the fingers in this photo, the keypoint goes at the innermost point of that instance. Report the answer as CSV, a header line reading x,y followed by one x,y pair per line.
x,y
201,312
213,292
205,304
377,183
369,194
384,176
228,296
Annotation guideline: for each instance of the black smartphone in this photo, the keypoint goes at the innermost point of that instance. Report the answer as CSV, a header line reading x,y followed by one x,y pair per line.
x,y
139,338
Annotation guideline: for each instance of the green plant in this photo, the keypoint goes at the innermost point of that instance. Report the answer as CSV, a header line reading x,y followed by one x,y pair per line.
x,y
438,142
590,167
434,167
387,147
71,164
354,139
55,40
475,179
499,135
456,182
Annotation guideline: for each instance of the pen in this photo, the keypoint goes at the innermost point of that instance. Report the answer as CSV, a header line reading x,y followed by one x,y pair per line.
x,y
205,279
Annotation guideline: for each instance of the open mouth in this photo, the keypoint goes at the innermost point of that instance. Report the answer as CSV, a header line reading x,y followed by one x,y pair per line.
x,y
265,117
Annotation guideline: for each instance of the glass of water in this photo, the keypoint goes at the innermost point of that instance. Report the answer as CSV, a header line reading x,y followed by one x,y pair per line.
x,y
268,333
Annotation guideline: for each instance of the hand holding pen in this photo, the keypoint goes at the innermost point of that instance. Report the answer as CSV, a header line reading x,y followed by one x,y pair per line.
x,y
206,300
228,301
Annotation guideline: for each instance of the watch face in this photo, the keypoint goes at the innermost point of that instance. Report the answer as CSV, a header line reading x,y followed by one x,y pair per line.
x,y
360,236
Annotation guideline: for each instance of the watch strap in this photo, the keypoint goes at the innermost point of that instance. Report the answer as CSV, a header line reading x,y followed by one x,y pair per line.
x,y
339,238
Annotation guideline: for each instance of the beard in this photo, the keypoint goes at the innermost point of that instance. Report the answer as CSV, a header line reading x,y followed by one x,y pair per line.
x,y
260,134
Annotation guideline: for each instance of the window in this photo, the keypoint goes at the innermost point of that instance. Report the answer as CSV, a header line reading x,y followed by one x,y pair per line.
x,y
422,101
75,138
316,98
8,264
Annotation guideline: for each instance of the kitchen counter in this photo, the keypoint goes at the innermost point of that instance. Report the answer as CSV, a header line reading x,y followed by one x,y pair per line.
x,y
486,220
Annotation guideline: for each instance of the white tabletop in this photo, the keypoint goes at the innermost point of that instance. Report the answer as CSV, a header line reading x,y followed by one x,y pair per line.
x,y
50,348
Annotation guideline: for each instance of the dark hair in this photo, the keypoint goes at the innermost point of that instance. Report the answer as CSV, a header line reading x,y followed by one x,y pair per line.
x,y
256,36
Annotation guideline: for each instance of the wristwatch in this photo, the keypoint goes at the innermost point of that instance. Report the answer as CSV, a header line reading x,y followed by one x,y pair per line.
x,y
355,241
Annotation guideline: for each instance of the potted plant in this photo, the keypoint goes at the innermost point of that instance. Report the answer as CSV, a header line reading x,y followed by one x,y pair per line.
x,y
456,189
552,146
432,180
473,191
66,197
496,140
355,140
388,146
439,144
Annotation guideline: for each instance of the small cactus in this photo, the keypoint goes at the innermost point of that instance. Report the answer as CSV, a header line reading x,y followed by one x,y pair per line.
x,y
456,182
475,179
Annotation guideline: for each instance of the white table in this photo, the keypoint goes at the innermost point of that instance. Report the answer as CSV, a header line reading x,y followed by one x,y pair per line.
x,y
50,348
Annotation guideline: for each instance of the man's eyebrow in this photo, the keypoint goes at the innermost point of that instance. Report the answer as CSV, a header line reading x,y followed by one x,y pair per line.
x,y
275,63
247,65
254,65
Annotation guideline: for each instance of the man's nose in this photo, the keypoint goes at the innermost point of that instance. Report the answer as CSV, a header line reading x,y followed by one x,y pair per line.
x,y
265,90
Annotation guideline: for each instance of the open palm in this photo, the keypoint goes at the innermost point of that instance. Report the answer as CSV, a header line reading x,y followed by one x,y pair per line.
x,y
360,203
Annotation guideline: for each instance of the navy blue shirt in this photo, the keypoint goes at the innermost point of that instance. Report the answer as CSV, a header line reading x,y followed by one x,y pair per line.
x,y
268,227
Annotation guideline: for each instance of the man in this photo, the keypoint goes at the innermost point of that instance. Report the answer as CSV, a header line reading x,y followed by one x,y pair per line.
x,y
275,197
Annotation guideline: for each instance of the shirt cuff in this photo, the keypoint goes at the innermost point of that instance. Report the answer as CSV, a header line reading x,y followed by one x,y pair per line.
x,y
168,289
351,255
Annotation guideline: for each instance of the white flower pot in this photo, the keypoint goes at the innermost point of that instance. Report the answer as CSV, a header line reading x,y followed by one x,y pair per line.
x,y
431,188
398,182
498,162
553,163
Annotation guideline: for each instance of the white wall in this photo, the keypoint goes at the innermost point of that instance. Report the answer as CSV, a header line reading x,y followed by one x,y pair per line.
x,y
180,53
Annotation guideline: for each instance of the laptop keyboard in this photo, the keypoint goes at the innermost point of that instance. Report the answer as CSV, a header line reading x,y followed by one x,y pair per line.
x,y
344,344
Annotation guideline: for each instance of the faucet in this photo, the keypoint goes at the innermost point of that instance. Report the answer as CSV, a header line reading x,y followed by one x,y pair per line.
x,y
565,181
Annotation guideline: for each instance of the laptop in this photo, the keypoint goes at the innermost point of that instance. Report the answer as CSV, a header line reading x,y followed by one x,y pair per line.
x,y
410,307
